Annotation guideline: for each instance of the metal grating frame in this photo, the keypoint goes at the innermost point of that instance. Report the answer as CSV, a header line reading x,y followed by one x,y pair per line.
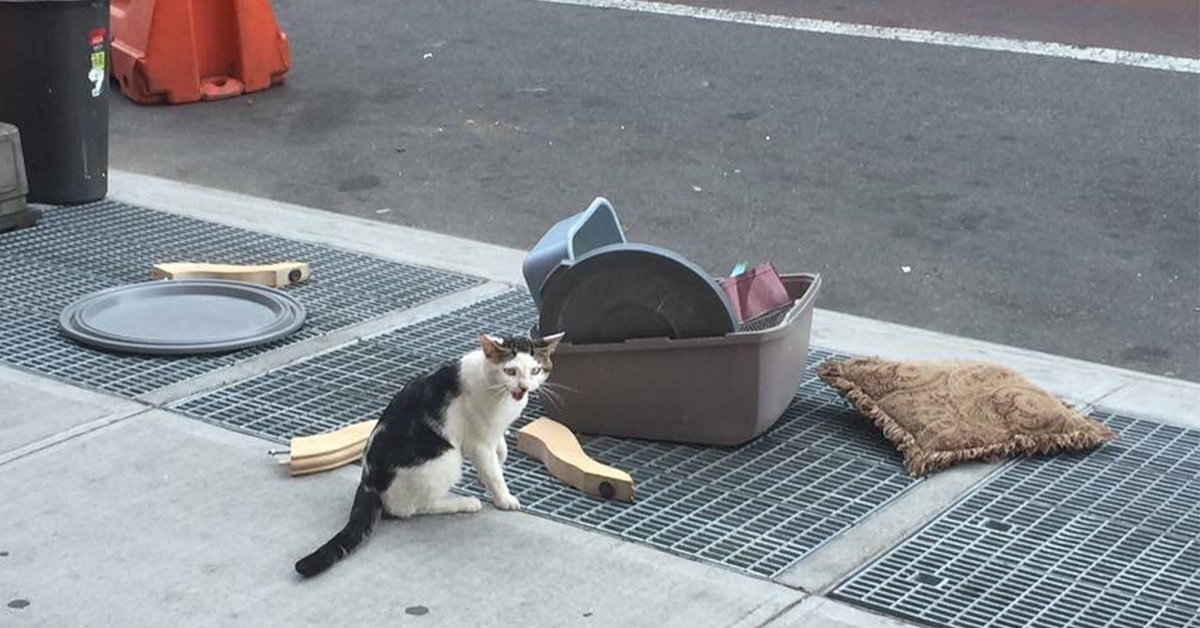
x,y
76,251
757,508
1106,539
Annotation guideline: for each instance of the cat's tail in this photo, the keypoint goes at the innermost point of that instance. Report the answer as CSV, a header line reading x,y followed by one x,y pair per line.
x,y
364,512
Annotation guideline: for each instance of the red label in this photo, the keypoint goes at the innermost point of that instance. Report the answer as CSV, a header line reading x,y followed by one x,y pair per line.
x,y
96,37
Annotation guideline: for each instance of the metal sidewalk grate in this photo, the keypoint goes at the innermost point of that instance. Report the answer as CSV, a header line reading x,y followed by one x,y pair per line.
x,y
757,508
75,251
1106,539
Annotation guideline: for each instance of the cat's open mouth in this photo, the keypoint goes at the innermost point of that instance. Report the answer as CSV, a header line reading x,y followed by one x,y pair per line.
x,y
517,394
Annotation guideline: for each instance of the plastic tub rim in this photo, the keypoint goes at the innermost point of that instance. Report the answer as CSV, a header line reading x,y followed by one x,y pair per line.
x,y
798,309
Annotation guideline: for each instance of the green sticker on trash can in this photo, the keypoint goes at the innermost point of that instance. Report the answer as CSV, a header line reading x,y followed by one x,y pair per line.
x,y
97,74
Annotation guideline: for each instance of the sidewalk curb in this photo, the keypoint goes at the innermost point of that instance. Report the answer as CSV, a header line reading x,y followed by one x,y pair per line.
x,y
1119,390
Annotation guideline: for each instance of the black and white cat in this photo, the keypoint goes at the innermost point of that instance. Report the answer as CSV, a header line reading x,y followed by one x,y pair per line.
x,y
414,455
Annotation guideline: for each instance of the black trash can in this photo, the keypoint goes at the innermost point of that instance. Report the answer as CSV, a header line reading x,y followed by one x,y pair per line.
x,y
54,66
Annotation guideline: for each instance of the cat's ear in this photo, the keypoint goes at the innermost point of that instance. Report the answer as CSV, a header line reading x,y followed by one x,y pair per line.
x,y
493,347
546,345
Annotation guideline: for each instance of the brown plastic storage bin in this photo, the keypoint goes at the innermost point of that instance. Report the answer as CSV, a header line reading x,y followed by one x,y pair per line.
x,y
719,391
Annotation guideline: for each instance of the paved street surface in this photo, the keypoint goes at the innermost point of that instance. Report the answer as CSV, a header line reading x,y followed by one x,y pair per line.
x,y
1039,202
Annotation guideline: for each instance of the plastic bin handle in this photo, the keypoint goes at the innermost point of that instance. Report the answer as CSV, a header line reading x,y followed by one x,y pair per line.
x,y
803,302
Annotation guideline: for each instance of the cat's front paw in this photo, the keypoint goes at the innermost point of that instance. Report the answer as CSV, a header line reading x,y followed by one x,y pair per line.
x,y
506,502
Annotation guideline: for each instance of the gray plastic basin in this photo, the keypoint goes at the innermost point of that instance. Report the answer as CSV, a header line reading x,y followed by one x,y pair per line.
x,y
717,391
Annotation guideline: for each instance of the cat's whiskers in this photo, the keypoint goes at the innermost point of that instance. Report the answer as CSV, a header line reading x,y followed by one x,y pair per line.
x,y
552,397
555,386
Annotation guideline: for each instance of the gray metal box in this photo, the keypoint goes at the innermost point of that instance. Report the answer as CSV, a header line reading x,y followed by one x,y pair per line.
x,y
13,184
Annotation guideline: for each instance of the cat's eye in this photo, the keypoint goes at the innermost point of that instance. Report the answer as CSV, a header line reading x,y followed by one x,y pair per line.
x,y
536,370
510,371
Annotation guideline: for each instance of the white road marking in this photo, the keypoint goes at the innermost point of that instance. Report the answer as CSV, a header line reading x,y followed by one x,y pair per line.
x,y
912,35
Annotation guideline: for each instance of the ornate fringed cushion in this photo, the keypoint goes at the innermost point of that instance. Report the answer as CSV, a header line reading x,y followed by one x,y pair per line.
x,y
940,413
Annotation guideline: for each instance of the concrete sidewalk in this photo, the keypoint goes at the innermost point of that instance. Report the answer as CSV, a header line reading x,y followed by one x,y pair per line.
x,y
151,519
119,513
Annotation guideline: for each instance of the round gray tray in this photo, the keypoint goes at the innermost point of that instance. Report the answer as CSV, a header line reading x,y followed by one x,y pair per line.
x,y
625,291
182,317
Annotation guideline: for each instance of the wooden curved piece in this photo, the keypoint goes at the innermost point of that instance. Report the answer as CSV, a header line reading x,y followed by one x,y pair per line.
x,y
557,448
322,452
270,275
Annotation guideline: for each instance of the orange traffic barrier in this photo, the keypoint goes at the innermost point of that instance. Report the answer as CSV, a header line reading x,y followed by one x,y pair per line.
x,y
181,51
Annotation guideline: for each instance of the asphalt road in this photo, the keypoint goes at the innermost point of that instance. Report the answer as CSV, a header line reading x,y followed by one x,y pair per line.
x,y
1044,203
1167,27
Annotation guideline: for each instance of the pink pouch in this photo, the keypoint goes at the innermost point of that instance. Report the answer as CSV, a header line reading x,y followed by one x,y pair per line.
x,y
755,291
